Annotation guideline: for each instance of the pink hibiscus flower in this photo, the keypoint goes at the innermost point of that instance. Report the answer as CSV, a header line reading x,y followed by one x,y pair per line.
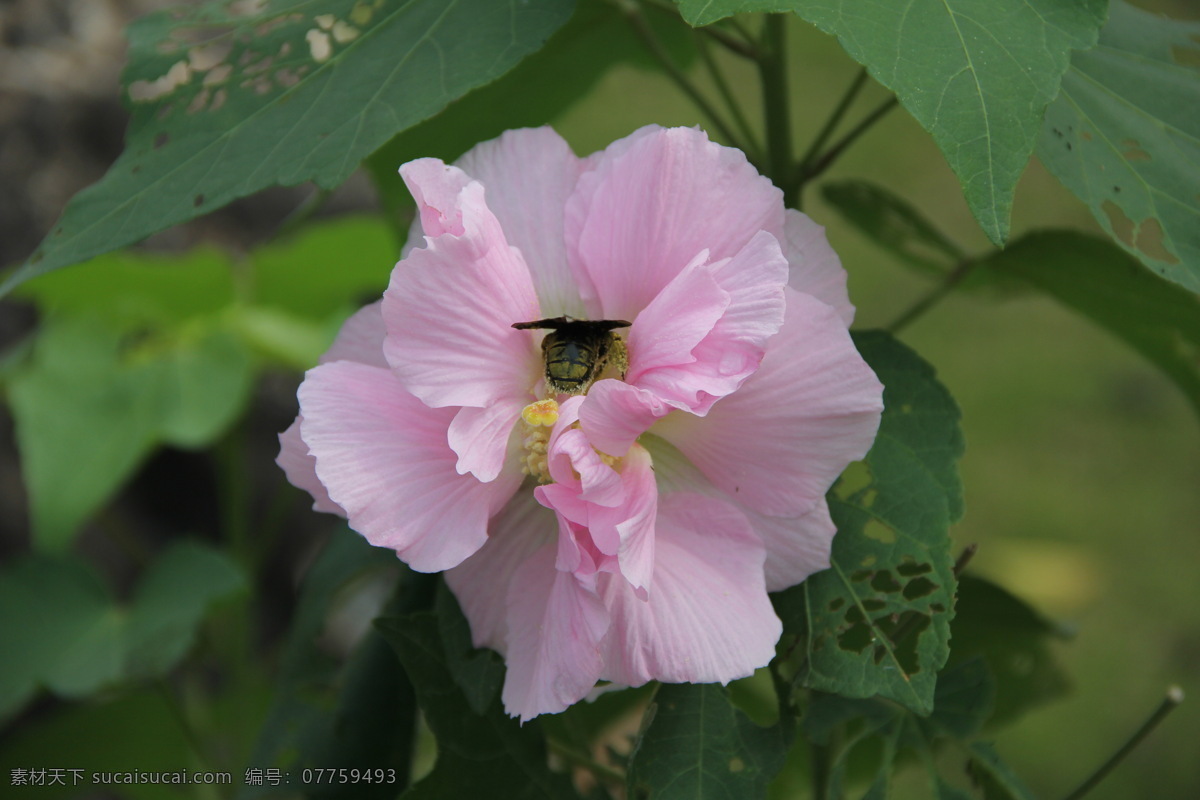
x,y
616,504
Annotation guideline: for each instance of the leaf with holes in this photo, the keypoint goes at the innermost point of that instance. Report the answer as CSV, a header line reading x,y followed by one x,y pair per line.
x,y
977,74
1124,136
879,618
232,97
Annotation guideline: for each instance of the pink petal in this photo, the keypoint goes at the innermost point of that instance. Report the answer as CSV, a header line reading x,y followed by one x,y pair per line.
x,y
796,546
436,188
676,320
708,617
301,469
481,582
614,414
779,442
815,267
480,437
752,285
383,457
449,311
529,174
637,522
360,338
555,625
651,203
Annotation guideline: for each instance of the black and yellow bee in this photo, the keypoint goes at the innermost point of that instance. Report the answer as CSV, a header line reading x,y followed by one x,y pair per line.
x,y
577,351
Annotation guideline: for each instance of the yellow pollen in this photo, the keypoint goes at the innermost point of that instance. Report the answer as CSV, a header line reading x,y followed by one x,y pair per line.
x,y
543,413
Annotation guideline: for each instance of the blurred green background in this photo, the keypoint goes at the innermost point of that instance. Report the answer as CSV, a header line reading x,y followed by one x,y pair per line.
x,y
1082,471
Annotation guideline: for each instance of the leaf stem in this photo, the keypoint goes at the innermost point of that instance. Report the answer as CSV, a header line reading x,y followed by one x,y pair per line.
x,y
633,13
735,110
573,756
821,163
835,119
917,309
772,67
1173,698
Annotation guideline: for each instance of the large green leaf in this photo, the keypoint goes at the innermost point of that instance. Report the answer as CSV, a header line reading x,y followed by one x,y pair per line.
x,y
229,98
879,618
62,630
977,74
697,744
1124,135
1092,276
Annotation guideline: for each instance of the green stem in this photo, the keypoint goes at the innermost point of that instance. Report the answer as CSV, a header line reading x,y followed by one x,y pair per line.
x,y
772,66
918,309
820,760
642,28
824,161
835,118
573,756
735,110
1169,703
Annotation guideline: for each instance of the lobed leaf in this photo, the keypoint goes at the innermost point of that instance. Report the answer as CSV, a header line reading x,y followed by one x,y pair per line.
x,y
1124,136
977,74
879,618
232,97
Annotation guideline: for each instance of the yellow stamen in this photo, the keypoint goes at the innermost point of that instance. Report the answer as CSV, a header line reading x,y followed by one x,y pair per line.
x,y
543,413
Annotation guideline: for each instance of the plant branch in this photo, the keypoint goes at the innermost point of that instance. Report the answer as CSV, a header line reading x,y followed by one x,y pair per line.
x,y
835,118
952,279
810,171
1169,703
574,757
633,13
772,66
735,111
743,47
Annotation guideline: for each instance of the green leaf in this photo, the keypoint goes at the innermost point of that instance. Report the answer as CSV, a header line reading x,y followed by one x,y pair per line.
x,y
479,755
206,384
94,402
230,98
71,637
171,600
1124,136
479,674
129,290
977,74
894,224
1013,640
325,269
301,712
695,743
85,418
963,701
1093,277
879,619
58,628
